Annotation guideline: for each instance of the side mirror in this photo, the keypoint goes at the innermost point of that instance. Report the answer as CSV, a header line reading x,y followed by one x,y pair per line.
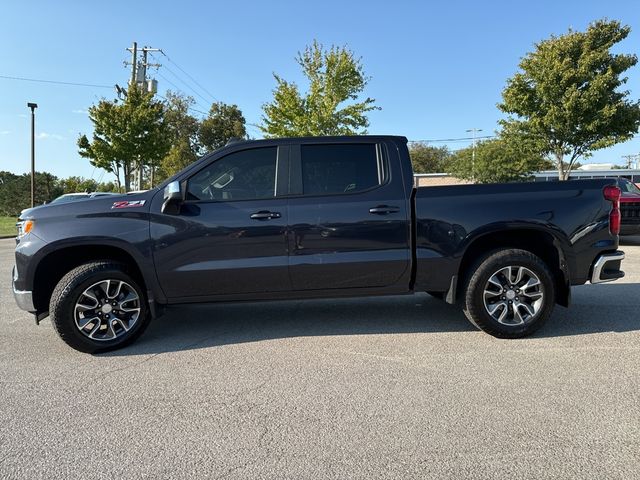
x,y
172,199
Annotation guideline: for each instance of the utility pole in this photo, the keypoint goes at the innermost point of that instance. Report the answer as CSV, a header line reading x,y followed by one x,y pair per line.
x,y
139,78
143,65
630,159
33,107
139,67
473,151
134,62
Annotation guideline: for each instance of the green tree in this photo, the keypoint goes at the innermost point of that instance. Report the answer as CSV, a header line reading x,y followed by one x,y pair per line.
x,y
78,184
330,106
427,158
496,161
183,132
567,95
223,123
15,191
127,135
107,187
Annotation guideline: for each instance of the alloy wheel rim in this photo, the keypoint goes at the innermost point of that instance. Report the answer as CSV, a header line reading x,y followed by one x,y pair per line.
x,y
513,295
107,310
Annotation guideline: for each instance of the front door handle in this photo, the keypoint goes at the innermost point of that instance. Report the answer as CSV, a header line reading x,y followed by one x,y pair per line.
x,y
383,210
265,215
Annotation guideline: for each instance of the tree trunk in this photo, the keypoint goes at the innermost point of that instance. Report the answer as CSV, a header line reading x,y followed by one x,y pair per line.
x,y
140,173
115,169
562,175
116,172
127,179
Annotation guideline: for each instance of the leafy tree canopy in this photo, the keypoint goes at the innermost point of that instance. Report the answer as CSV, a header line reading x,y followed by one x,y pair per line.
x,y
223,123
567,95
15,190
497,160
330,106
127,134
183,130
427,158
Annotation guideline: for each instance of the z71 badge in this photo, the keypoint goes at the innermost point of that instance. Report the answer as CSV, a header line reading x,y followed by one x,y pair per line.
x,y
128,204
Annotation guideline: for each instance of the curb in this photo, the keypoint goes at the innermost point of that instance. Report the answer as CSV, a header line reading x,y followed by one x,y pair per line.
x,y
7,236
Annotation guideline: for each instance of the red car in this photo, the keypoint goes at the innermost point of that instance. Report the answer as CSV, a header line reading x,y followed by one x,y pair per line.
x,y
629,208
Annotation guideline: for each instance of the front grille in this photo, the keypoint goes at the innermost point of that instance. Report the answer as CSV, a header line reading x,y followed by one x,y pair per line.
x,y
630,213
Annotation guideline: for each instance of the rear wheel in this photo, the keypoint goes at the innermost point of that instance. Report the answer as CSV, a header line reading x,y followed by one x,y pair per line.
x,y
98,307
509,294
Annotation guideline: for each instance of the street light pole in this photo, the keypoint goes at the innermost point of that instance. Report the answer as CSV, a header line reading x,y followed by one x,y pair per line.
x,y
473,152
33,107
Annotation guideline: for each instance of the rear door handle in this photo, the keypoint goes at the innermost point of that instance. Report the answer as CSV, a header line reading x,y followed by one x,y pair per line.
x,y
383,210
265,215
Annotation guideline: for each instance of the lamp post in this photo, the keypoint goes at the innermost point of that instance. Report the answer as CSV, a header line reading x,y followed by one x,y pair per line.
x,y
33,107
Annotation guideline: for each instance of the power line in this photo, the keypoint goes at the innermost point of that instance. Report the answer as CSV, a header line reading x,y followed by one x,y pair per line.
x,y
181,80
255,127
40,80
179,90
193,79
188,108
466,139
436,140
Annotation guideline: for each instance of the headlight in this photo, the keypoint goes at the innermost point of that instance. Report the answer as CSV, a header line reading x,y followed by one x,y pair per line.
x,y
24,227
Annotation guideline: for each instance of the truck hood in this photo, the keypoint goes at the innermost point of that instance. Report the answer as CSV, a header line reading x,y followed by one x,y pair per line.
x,y
92,206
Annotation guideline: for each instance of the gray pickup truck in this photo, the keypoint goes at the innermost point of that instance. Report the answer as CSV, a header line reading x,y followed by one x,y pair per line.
x,y
309,218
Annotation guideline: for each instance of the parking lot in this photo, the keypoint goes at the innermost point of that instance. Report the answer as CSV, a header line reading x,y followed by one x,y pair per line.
x,y
392,387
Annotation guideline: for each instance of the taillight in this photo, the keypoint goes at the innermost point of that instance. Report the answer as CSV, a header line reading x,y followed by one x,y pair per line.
x,y
613,193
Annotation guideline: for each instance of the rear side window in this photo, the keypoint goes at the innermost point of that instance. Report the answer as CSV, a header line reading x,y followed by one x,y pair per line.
x,y
344,168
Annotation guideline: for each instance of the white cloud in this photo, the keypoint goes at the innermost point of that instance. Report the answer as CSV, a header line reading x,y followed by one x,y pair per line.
x,y
53,136
83,112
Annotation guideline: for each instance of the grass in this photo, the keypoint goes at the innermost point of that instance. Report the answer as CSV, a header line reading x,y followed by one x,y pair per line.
x,y
7,226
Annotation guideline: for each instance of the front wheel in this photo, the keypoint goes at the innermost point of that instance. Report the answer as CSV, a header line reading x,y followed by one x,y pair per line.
x,y
510,294
98,307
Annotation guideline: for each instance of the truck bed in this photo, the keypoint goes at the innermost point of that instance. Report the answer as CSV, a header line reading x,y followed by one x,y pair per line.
x,y
449,218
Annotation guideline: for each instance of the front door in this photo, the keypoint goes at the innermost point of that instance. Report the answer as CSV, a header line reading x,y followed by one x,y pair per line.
x,y
230,236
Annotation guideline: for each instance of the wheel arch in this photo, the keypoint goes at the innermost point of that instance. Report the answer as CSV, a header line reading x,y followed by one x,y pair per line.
x,y
60,259
539,241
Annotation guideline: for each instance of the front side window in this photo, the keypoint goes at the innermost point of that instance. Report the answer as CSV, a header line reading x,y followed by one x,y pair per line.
x,y
344,168
244,175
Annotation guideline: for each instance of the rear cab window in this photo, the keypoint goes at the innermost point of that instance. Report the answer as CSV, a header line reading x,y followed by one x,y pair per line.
x,y
329,169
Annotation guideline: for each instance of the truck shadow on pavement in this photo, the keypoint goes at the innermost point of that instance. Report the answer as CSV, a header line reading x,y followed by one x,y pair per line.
x,y
595,309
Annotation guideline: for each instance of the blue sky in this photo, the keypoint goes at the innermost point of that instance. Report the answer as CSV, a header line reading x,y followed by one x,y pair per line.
x,y
437,68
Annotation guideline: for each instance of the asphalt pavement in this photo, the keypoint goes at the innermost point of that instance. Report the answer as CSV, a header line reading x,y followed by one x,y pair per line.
x,y
387,387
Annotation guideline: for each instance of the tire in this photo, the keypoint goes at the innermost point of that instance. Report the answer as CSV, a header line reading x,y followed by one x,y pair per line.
x,y
505,307
108,286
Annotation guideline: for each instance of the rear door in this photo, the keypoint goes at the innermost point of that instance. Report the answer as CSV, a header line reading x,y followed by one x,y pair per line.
x,y
348,217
